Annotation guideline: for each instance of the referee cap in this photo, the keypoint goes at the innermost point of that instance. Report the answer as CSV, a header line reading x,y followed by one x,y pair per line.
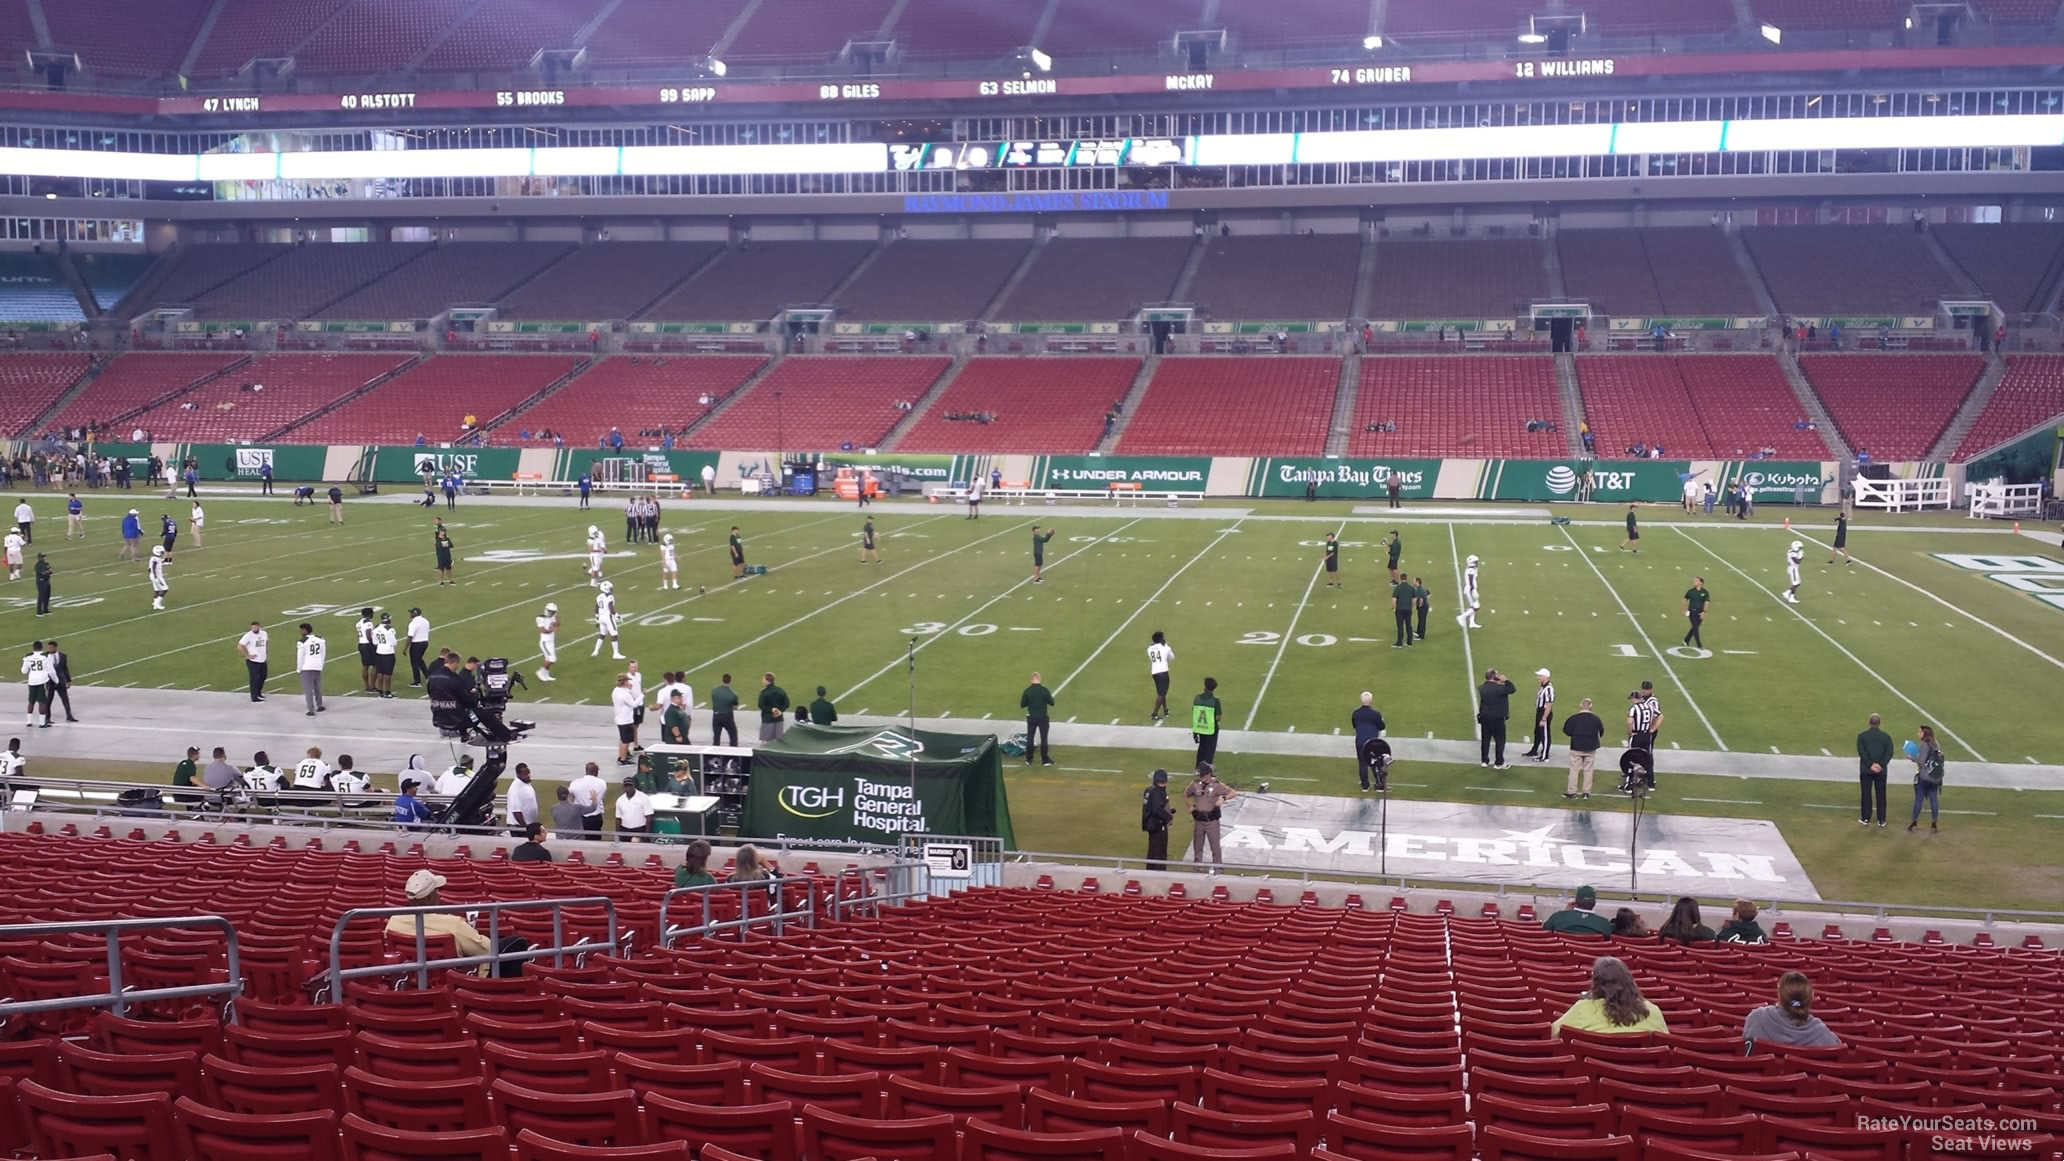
x,y
1540,673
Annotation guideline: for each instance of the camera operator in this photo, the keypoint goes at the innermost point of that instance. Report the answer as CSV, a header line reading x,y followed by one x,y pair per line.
x,y
456,704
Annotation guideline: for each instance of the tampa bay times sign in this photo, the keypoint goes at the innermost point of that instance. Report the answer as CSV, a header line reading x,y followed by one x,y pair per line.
x,y
1516,844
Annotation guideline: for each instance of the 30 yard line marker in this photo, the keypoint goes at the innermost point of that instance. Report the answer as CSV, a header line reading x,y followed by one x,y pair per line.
x,y
1636,622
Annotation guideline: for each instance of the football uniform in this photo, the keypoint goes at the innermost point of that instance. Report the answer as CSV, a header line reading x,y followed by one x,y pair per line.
x,y
666,558
1792,558
158,583
596,546
605,615
262,778
1469,595
14,551
350,782
548,637
312,774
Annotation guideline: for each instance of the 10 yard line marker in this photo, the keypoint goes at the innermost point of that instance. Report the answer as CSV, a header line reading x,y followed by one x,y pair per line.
x,y
1636,622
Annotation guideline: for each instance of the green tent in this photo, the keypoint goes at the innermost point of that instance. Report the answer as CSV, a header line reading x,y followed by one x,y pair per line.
x,y
854,784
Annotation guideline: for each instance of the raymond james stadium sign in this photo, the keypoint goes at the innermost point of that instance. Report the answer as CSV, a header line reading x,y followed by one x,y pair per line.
x,y
1508,844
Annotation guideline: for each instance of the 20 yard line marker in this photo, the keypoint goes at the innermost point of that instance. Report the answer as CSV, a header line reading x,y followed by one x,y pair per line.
x,y
1283,644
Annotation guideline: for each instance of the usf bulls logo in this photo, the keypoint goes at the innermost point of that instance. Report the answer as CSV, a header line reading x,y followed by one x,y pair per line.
x,y
887,744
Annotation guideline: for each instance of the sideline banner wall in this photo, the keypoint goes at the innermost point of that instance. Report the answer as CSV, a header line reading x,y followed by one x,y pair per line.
x,y
395,465
686,465
1154,474
1343,478
1781,481
1600,481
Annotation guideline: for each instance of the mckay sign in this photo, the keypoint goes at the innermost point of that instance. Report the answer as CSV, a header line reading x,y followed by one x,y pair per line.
x,y
1508,844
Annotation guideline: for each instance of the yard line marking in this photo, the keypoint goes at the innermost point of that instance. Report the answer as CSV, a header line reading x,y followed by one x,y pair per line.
x,y
1283,644
977,610
2050,816
1825,806
1954,609
1071,719
1127,623
1660,656
1773,749
985,717
1501,789
1827,752
1468,652
1728,801
2031,761
1825,636
1981,813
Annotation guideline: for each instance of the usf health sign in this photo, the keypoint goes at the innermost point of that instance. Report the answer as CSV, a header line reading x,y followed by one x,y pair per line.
x,y
1603,481
392,465
1343,479
866,785
289,462
1151,473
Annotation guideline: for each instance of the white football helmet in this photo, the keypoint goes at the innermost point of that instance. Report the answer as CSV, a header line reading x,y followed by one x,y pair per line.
x,y
1472,560
667,539
552,609
608,588
1797,546
594,531
158,550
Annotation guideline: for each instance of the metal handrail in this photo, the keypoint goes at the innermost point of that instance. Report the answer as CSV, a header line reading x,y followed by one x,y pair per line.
x,y
422,964
116,996
777,917
871,901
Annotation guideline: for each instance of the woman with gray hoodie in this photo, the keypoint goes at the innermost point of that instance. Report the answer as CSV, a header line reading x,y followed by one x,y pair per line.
x,y
1790,1021
1927,759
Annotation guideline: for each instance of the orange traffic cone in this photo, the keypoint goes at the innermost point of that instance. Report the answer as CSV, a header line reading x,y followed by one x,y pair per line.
x,y
2017,528
1788,524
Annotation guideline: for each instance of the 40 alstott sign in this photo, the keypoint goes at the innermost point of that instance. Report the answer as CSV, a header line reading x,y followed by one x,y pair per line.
x,y
1515,844
1343,479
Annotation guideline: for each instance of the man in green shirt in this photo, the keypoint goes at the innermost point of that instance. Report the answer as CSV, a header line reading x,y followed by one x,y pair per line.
x,y
1397,547
723,707
673,725
1037,701
1333,561
773,709
869,554
1633,534
822,712
1696,598
1421,600
444,549
737,554
1579,918
1039,551
1205,713
42,585
1873,759
1403,597
187,775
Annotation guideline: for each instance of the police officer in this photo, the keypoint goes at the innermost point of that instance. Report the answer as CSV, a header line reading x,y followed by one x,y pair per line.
x,y
1155,815
1206,797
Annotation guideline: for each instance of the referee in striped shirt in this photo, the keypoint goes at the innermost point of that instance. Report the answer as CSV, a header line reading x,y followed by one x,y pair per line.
x,y
1544,717
1644,722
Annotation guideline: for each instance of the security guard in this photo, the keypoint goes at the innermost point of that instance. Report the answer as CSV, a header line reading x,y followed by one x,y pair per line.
x,y
1205,713
1155,815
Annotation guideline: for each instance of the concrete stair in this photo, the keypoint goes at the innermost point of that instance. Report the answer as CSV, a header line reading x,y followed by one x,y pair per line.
x,y
1810,403
1974,406
725,403
1338,431
1133,395
1572,397
924,403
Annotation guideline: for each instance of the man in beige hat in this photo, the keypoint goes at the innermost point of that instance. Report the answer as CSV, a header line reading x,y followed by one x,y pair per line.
x,y
422,891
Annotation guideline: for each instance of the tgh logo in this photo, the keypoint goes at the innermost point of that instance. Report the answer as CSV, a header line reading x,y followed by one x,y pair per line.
x,y
812,801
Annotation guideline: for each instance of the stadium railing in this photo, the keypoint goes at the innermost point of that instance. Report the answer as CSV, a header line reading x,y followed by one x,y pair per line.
x,y
421,965
776,917
119,997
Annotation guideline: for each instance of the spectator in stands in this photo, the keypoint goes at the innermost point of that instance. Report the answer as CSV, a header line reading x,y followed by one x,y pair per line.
x,y
1683,925
532,848
188,775
1626,922
1613,1005
694,868
1580,917
1742,927
409,810
1790,1021
751,867
423,890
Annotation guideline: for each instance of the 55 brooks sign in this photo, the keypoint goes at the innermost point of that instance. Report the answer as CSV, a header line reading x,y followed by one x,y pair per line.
x,y
2038,576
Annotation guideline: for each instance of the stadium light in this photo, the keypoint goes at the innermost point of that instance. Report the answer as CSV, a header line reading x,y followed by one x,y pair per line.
x,y
1372,43
718,68
1039,60
1532,37
1773,34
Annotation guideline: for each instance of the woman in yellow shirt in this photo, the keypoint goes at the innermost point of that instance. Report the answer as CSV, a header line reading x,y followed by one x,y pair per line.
x,y
1613,1005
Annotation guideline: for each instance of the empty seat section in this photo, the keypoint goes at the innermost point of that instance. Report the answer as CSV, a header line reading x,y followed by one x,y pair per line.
x,y
634,393
1235,407
263,396
110,277
641,32
134,380
1437,401
17,33
1459,18
1745,403
1460,279
1609,270
955,28
932,281
1893,406
807,29
120,37
1097,29
378,36
753,280
200,269
29,384
1051,406
433,398
821,403
306,278
455,274
259,28
1632,399
1295,23
2011,262
503,35
33,290
1695,273
1624,18
1826,15
606,281
1278,277
1849,270
2030,394
1095,279
2024,13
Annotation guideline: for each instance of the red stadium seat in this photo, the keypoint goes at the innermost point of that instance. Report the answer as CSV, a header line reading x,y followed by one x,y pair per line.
x,y
532,1147
982,1141
219,1136
1497,1143
137,1127
593,1118
828,1136
766,1131
365,1141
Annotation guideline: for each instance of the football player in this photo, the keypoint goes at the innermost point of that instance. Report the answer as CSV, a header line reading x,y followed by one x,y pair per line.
x,y
669,567
158,585
606,621
596,545
548,641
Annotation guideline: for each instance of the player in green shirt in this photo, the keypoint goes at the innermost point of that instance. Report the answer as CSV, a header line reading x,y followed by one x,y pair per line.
x,y
1397,547
822,712
1633,534
1333,562
723,704
1205,713
773,709
673,727
1421,601
1037,701
1403,597
868,552
737,554
444,550
1696,598
1039,551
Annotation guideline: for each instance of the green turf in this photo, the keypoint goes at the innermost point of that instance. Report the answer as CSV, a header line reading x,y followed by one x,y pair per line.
x,y
1240,598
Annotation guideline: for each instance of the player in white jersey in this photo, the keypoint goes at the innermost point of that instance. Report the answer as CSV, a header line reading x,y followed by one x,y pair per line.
x,y
606,622
1159,657
669,566
548,641
263,776
1467,617
13,542
312,773
1791,566
596,546
345,780
158,584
